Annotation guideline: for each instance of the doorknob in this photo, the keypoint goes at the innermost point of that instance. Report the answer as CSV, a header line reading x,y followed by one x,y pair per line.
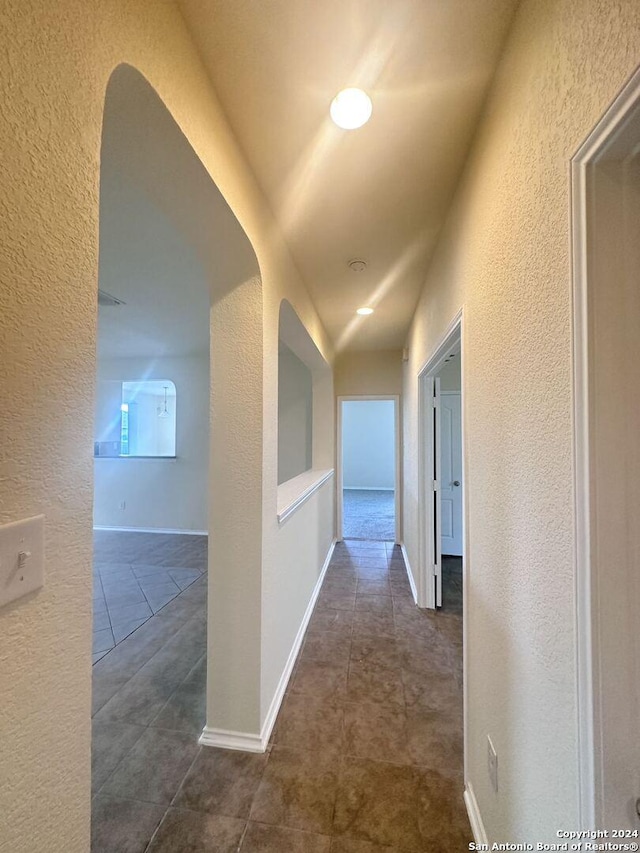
x,y
638,806
456,482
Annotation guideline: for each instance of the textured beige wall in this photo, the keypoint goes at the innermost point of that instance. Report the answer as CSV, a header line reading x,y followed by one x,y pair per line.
x,y
289,574
362,373
54,68
303,540
505,256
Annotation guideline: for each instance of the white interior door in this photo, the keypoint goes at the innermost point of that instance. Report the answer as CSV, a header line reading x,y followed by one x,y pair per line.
x,y
451,474
437,481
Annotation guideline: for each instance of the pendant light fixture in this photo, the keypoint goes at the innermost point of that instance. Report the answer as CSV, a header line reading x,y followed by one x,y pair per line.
x,y
165,412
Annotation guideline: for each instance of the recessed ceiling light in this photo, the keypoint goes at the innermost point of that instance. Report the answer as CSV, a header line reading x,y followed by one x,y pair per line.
x,y
351,108
364,311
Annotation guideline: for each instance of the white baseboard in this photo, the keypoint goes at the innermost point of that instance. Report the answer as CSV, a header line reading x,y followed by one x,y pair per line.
x,y
475,818
225,739
151,530
367,489
412,583
258,743
274,707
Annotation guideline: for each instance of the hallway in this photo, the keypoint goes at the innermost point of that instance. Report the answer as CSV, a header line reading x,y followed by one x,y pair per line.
x,y
366,755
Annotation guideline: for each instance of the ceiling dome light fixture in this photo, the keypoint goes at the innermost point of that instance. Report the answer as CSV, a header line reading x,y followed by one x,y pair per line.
x,y
364,312
357,265
351,108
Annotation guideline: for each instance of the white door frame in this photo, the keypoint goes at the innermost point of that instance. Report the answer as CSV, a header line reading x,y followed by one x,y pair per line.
x,y
450,341
339,478
586,571
453,339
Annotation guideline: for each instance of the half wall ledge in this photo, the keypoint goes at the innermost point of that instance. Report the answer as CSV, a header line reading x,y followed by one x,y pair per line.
x,y
296,491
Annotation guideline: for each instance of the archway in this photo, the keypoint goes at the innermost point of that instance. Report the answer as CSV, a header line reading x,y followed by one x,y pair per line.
x,y
173,252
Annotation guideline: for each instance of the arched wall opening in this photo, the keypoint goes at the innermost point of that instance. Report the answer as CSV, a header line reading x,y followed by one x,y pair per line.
x,y
51,186
173,252
304,378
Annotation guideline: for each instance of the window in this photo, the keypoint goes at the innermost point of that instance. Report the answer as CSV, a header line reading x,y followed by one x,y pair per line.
x,y
136,418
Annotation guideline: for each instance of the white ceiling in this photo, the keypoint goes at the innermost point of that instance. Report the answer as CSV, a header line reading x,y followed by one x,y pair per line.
x,y
145,262
381,192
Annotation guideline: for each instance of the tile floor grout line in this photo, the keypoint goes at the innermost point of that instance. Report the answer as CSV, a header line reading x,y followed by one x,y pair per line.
x,y
402,631
133,674
118,763
181,785
242,837
180,685
156,830
108,651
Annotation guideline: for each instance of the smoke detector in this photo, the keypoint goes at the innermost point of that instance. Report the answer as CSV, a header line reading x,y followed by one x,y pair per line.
x,y
107,299
357,265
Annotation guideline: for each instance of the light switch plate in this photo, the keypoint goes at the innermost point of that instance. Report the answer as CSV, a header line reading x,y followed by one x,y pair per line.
x,y
21,558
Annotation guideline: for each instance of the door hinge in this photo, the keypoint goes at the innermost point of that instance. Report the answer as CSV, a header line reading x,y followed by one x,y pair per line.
x,y
436,485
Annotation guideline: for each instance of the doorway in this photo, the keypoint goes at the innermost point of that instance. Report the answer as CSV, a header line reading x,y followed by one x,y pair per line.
x,y
606,261
441,476
368,468
450,482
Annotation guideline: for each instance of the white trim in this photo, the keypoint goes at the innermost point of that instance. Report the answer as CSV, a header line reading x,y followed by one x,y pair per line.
x,y
475,818
443,347
617,113
412,583
258,743
278,696
582,502
297,491
451,339
224,739
435,493
152,530
585,571
398,460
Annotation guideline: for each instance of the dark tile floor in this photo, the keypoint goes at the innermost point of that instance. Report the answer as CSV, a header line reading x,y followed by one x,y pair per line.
x,y
134,576
366,756
452,584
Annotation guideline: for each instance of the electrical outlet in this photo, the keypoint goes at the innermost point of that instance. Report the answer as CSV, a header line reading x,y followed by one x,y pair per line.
x,y
122,505
492,764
